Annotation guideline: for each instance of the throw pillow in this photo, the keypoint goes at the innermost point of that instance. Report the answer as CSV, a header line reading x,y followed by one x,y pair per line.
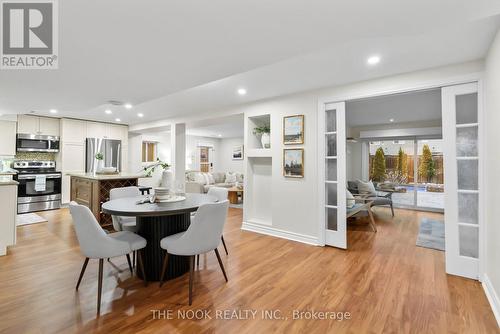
x,y
239,177
230,177
366,188
211,179
350,200
199,178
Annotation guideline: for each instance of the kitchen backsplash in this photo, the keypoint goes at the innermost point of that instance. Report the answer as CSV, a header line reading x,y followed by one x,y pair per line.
x,y
35,156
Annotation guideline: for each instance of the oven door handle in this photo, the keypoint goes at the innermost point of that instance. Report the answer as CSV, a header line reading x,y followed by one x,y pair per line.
x,y
32,176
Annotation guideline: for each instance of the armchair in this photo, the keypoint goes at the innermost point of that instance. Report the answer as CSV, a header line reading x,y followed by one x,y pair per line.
x,y
379,198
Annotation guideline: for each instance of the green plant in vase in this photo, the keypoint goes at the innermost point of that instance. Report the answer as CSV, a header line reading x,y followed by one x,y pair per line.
x,y
149,170
100,161
264,131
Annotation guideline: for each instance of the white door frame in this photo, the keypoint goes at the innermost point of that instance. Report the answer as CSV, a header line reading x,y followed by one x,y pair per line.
x,y
337,238
409,87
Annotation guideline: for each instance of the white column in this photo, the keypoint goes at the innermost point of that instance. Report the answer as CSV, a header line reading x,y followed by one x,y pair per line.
x,y
178,149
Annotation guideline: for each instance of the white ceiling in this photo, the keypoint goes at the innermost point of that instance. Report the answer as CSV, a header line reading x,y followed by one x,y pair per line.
x,y
418,106
173,58
221,127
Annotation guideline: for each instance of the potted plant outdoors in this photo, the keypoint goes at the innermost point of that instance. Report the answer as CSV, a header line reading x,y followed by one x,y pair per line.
x,y
100,161
265,138
167,177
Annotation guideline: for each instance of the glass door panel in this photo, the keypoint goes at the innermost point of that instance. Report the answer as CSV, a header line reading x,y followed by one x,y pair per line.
x,y
332,151
462,156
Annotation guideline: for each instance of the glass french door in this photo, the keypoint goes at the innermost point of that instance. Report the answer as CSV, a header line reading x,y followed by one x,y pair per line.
x,y
332,194
461,128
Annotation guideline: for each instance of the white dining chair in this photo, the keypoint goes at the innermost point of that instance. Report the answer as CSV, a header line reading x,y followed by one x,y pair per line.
x,y
97,244
123,223
221,194
203,235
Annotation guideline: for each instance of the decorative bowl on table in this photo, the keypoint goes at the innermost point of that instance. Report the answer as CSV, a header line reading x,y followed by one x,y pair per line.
x,y
164,195
107,170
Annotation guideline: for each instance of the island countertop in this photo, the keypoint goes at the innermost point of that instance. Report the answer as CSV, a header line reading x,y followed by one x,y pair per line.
x,y
102,177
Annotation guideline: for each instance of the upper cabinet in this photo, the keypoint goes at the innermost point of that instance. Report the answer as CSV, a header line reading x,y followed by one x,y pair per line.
x,y
49,126
119,132
96,130
107,131
28,124
73,131
7,138
76,131
37,125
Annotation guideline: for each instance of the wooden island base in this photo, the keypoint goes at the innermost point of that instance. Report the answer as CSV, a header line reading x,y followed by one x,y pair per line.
x,y
92,190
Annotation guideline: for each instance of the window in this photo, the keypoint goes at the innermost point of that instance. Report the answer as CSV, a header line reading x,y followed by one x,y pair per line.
x,y
414,168
148,151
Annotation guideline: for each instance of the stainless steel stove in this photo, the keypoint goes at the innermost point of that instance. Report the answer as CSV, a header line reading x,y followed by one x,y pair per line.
x,y
39,186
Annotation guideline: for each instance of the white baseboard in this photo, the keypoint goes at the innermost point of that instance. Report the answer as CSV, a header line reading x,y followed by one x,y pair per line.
x,y
274,232
492,296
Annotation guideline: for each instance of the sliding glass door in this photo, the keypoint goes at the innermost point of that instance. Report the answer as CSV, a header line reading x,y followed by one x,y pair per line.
x,y
430,174
412,170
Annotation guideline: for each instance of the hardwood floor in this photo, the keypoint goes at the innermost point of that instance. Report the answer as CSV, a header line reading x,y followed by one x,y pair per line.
x,y
385,282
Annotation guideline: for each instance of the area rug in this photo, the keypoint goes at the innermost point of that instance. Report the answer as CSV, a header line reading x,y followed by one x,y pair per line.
x,y
431,234
29,218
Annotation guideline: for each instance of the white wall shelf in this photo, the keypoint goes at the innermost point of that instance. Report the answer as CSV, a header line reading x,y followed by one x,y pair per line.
x,y
259,153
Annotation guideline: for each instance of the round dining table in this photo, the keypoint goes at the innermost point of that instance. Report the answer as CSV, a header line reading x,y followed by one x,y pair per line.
x,y
156,221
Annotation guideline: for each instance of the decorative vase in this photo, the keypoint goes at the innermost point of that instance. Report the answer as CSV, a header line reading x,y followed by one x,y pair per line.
x,y
100,165
265,140
167,179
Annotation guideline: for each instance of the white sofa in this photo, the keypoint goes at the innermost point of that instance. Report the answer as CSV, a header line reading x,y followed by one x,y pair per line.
x,y
198,182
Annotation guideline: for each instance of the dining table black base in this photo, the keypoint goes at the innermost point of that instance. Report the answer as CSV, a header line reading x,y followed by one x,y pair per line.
x,y
153,229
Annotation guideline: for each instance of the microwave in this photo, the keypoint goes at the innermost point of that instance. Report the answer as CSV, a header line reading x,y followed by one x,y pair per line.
x,y
37,143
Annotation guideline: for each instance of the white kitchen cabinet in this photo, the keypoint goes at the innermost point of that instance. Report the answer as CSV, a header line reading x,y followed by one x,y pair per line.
x,y
65,189
124,159
73,157
49,126
37,125
119,132
28,124
96,130
72,160
8,207
73,131
7,138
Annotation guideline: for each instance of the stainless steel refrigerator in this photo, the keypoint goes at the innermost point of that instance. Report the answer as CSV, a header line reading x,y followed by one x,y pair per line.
x,y
111,150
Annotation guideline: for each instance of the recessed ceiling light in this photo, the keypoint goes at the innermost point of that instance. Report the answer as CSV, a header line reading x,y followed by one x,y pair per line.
x,y
242,91
127,106
53,111
391,120
140,115
373,60
118,120
219,135
108,111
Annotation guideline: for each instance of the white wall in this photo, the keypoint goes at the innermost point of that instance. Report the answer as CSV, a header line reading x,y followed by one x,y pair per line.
x,y
135,154
225,156
354,164
492,163
164,153
192,156
294,201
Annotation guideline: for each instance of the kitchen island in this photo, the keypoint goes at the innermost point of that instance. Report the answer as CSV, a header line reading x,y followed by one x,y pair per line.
x,y
91,190
8,207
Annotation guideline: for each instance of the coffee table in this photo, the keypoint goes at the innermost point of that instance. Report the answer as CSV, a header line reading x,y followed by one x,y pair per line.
x,y
233,193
